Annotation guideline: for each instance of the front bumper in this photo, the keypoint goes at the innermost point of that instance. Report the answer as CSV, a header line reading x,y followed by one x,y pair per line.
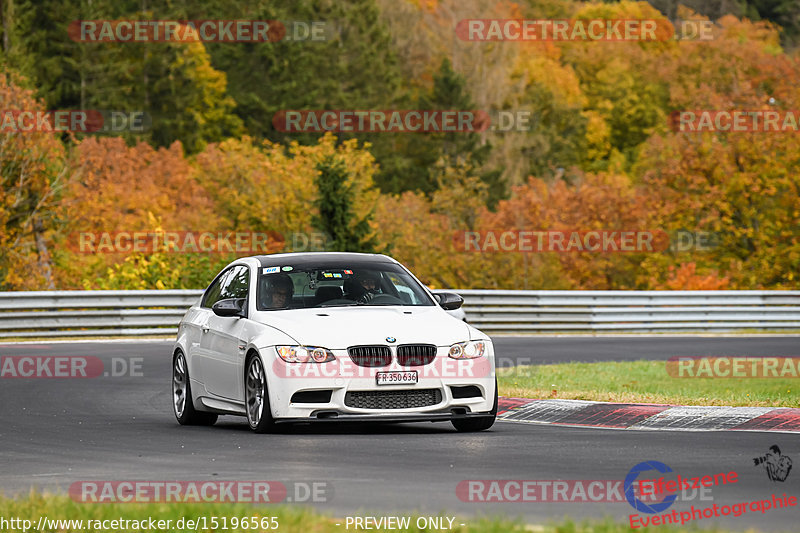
x,y
384,418
447,376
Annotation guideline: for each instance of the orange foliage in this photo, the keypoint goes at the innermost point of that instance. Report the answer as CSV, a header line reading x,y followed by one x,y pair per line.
x,y
31,171
598,202
686,278
115,187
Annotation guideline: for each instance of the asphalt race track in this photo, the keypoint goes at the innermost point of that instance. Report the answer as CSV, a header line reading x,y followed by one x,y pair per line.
x,y
55,432
544,350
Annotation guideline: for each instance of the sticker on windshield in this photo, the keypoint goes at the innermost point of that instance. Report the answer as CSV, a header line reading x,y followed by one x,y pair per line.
x,y
337,275
287,268
348,272
270,270
327,274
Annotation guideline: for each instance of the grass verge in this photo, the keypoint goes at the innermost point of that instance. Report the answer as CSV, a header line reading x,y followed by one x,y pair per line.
x,y
643,382
289,519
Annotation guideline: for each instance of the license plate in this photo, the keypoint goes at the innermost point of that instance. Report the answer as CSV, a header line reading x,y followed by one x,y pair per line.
x,y
396,378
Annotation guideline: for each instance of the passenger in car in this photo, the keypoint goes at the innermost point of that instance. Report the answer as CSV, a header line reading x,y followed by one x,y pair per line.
x,y
279,291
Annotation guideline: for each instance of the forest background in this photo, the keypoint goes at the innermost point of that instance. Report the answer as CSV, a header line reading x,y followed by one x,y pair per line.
x,y
599,153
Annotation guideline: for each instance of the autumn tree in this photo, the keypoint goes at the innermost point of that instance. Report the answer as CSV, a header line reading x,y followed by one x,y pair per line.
x,y
738,186
596,202
32,172
116,188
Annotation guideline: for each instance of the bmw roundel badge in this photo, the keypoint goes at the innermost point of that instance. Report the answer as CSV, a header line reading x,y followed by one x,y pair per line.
x,y
390,339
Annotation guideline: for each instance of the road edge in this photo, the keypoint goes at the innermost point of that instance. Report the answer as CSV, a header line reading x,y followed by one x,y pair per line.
x,y
650,417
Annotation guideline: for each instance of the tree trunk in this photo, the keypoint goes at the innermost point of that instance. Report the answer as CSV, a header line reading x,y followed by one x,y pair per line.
x,y
45,265
7,11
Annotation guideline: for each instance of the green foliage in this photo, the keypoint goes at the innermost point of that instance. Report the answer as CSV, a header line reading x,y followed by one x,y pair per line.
x,y
174,83
597,154
557,140
160,271
189,100
426,152
450,92
353,67
346,232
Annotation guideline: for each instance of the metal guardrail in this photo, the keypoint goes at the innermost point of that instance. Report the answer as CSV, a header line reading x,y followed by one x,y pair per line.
x,y
138,313
93,313
631,311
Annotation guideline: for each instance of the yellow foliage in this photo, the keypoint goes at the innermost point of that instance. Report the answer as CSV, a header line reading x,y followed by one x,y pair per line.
x,y
31,173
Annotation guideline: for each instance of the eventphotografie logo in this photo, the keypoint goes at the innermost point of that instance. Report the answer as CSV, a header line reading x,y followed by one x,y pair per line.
x,y
655,514
670,488
634,500
776,464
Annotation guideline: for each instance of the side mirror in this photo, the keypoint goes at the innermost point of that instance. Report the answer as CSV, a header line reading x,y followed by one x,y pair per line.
x,y
229,307
449,300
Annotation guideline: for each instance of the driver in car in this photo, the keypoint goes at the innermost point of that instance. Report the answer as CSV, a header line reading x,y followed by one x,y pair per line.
x,y
279,291
368,282
365,288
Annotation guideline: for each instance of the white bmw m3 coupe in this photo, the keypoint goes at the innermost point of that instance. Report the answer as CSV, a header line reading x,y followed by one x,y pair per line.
x,y
321,337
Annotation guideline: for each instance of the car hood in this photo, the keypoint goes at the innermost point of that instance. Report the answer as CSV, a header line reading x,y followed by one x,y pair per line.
x,y
339,327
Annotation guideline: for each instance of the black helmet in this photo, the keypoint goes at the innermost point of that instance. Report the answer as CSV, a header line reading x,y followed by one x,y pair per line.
x,y
280,281
362,275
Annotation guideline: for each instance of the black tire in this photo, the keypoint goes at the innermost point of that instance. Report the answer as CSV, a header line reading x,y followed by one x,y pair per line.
x,y
182,405
256,397
470,425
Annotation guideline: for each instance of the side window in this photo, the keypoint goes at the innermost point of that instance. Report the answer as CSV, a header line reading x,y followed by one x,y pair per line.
x,y
405,292
237,283
232,283
212,293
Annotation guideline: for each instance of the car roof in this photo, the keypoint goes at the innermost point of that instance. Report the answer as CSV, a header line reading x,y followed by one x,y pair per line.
x,y
314,258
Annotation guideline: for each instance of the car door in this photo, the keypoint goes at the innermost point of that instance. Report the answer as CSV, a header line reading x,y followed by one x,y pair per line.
x,y
196,325
223,343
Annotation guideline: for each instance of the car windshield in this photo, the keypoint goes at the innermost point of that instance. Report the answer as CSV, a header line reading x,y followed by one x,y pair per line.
x,y
289,286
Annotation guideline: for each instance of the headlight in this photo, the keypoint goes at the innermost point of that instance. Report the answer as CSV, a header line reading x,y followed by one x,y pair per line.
x,y
304,354
467,350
